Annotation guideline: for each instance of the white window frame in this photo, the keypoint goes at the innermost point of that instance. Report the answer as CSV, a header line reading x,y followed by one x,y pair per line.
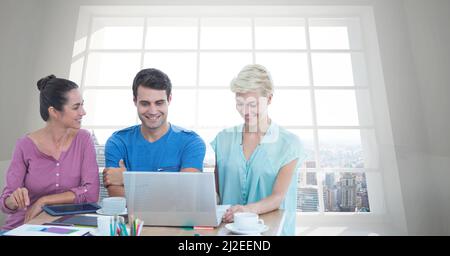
x,y
382,208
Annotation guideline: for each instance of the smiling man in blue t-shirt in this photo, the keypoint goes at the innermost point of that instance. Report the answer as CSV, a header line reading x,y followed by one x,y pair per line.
x,y
155,145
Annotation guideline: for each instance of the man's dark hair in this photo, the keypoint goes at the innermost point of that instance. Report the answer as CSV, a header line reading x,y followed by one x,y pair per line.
x,y
152,78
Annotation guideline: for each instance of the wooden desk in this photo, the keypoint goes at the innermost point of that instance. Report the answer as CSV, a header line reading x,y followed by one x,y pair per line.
x,y
272,219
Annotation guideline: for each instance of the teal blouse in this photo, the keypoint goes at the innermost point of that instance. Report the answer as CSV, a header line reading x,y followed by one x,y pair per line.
x,y
244,182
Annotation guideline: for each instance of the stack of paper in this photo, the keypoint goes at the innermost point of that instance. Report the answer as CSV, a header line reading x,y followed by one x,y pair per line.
x,y
44,230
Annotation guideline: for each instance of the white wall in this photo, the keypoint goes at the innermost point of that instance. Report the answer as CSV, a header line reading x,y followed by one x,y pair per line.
x,y
406,113
20,26
415,47
416,85
430,43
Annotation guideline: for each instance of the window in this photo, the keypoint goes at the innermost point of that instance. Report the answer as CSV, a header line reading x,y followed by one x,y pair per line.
x,y
317,60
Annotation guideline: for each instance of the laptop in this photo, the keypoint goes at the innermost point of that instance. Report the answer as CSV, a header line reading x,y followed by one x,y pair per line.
x,y
173,198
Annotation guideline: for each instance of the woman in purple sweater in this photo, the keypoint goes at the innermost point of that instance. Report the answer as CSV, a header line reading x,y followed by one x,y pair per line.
x,y
55,164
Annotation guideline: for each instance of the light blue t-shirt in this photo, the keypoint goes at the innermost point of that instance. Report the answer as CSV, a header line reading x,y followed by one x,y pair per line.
x,y
177,149
244,182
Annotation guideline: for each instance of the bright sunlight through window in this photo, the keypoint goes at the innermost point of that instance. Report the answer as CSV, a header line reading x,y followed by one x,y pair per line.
x,y
317,64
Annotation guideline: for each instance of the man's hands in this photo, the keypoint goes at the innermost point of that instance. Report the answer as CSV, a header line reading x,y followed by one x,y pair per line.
x,y
114,176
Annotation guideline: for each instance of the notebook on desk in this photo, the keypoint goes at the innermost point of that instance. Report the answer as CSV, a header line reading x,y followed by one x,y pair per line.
x,y
173,198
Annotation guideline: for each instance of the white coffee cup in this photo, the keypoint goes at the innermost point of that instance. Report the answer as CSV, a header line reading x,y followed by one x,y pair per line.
x,y
247,221
114,205
104,225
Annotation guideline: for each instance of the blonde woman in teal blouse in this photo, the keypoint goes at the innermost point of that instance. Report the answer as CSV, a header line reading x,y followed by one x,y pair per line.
x,y
257,162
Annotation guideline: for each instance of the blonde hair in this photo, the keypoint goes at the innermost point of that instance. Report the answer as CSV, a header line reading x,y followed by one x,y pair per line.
x,y
252,78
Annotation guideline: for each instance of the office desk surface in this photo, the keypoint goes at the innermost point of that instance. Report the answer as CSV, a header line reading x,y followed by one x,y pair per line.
x,y
272,219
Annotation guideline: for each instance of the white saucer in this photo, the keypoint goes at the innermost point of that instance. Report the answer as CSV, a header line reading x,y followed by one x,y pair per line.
x,y
100,211
260,229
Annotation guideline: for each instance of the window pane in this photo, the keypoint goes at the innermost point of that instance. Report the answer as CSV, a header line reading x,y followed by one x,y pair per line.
x,y
117,33
208,135
345,192
180,67
171,33
182,108
287,69
112,69
336,107
340,149
217,108
102,135
226,33
307,192
307,140
109,107
332,69
336,34
291,107
218,69
329,38
280,33
306,178
307,199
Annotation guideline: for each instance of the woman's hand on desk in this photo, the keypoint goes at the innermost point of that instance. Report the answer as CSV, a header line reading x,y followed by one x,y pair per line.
x,y
19,199
229,214
34,210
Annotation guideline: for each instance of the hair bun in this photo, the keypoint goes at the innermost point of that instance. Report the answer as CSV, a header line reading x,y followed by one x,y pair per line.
x,y
42,83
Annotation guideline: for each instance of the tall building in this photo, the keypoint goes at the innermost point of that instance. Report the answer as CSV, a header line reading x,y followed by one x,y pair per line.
x,y
330,180
307,199
329,193
330,199
310,164
348,192
363,201
311,178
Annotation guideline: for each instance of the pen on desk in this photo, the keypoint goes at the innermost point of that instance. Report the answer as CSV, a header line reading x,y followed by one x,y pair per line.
x,y
131,221
115,225
111,227
135,227
203,228
125,232
140,228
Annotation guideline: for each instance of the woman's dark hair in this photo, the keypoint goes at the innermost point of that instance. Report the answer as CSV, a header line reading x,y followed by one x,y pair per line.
x,y
53,93
152,78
